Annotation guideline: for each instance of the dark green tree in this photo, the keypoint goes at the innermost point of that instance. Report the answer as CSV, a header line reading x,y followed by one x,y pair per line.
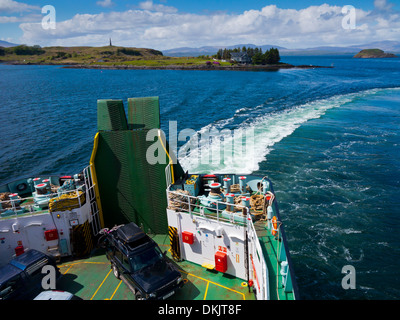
x,y
257,58
250,52
27,50
219,54
275,57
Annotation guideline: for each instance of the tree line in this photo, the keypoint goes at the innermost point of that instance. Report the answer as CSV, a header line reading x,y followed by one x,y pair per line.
x,y
256,55
22,50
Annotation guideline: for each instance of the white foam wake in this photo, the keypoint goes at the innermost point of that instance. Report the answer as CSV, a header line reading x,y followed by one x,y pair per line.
x,y
241,150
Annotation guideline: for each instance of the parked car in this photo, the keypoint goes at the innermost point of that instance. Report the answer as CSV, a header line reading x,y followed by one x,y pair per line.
x,y
56,295
138,261
21,278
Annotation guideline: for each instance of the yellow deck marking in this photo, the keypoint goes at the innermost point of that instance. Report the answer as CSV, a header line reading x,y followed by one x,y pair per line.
x,y
205,294
67,269
217,284
190,274
116,290
72,264
101,284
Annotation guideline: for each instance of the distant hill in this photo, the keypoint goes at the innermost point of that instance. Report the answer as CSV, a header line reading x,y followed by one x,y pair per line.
x,y
374,53
74,55
6,44
390,46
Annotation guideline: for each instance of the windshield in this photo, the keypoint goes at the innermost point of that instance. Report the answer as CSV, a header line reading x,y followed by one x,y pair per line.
x,y
146,258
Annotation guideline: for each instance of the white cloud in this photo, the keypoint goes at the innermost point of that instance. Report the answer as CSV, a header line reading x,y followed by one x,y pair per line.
x,y
105,3
25,18
149,5
10,6
382,5
162,27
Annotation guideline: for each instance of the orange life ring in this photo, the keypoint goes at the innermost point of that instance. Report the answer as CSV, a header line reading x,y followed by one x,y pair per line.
x,y
274,225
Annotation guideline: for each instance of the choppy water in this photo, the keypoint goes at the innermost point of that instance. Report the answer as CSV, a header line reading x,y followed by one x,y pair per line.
x,y
329,139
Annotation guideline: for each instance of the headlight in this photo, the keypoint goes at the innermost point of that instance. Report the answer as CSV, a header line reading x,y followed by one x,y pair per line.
x,y
179,280
152,295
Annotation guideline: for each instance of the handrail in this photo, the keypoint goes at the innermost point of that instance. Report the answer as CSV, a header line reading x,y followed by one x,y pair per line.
x,y
190,204
263,289
171,162
258,265
16,207
94,178
168,175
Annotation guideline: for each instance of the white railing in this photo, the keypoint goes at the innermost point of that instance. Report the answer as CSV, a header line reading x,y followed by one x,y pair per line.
x,y
257,265
91,194
168,175
18,208
183,202
258,270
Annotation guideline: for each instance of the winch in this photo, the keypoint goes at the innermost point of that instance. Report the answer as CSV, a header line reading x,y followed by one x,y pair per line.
x,y
215,195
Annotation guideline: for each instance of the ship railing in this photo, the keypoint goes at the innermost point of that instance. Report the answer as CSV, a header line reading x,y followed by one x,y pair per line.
x,y
220,211
257,264
168,176
27,205
91,192
233,214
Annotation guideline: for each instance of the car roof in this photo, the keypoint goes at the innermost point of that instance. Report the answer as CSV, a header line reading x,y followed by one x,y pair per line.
x,y
54,295
130,232
7,272
27,258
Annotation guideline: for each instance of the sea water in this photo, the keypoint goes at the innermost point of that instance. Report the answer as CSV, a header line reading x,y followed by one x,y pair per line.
x,y
329,139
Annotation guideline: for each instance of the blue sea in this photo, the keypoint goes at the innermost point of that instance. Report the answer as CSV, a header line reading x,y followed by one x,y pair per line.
x,y
329,139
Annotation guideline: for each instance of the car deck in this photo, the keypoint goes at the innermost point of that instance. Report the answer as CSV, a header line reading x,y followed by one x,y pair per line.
x,y
92,279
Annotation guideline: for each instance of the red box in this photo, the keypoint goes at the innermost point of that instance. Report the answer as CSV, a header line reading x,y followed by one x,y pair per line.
x,y
221,261
19,250
51,234
187,237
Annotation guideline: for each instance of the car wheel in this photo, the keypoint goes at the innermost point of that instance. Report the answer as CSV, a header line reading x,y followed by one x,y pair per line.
x,y
115,271
139,295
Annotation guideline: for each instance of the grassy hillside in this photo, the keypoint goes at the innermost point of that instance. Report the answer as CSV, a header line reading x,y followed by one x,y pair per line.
x,y
75,55
115,57
108,56
373,53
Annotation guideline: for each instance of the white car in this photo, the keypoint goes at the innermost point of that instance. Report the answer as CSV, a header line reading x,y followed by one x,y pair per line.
x,y
56,295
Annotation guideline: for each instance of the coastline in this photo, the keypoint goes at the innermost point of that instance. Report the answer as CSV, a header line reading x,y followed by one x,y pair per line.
x,y
196,67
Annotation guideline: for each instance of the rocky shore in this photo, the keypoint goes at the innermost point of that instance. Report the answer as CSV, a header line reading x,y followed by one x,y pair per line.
x,y
195,67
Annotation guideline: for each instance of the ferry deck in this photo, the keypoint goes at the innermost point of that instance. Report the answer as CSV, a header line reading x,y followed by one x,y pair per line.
x,y
92,278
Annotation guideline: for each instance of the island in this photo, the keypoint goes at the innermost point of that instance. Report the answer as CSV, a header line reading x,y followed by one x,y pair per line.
x,y
115,57
374,53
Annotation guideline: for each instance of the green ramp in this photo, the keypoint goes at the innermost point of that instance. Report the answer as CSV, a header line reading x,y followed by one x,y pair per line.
x,y
130,188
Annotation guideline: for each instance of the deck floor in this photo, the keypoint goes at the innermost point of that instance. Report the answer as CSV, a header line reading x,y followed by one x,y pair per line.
x,y
92,279
271,246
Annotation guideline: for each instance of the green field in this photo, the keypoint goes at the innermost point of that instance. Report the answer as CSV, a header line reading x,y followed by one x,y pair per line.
x,y
109,55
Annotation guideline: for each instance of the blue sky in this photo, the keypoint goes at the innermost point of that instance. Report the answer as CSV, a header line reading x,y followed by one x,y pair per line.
x,y
164,24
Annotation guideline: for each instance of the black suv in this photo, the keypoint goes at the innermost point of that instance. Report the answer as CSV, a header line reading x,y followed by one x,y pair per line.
x,y
21,278
138,261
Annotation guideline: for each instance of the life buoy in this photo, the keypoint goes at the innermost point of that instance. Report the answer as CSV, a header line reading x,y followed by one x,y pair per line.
x,y
274,225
